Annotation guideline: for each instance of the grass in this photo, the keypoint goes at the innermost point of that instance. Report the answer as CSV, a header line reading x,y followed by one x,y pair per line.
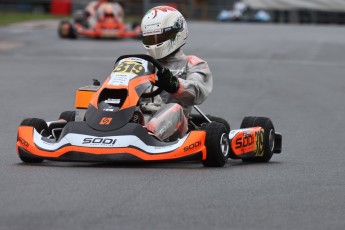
x,y
7,18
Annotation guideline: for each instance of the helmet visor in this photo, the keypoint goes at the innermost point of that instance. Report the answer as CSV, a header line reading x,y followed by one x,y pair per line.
x,y
159,38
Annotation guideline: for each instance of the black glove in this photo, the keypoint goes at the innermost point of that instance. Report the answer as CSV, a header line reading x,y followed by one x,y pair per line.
x,y
167,81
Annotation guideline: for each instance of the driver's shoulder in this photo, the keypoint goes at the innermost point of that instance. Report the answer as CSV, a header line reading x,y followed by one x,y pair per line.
x,y
194,60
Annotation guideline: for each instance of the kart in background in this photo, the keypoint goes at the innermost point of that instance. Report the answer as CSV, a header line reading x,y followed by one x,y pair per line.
x,y
107,25
260,16
109,125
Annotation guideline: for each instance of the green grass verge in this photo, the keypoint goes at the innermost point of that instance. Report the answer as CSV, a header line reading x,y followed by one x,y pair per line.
x,y
132,19
7,18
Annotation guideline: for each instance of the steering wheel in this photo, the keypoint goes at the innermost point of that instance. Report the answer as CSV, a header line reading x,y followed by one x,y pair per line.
x,y
155,63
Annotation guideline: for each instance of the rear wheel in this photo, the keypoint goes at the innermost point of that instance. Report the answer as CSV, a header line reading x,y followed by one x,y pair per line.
x,y
42,128
68,116
217,145
267,138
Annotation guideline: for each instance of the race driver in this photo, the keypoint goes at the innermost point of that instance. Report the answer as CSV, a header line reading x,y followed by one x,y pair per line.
x,y
96,9
186,80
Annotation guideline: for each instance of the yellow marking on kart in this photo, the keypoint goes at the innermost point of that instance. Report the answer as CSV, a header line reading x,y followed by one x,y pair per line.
x,y
129,67
259,150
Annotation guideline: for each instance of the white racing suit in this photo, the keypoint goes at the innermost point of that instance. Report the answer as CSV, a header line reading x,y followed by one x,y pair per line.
x,y
196,83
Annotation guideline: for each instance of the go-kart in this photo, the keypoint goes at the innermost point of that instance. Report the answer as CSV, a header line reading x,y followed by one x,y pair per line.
x,y
107,26
112,127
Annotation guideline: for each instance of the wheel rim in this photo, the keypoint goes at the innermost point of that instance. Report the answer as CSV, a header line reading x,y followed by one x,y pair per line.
x,y
271,140
224,144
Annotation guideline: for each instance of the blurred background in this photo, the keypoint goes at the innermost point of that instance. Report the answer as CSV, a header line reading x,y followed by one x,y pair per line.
x,y
283,11
286,63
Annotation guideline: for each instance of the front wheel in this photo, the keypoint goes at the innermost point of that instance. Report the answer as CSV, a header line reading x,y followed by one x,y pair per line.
x,y
68,116
66,30
267,139
217,145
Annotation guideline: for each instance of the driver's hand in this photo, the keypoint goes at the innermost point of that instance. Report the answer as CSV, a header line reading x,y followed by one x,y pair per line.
x,y
167,81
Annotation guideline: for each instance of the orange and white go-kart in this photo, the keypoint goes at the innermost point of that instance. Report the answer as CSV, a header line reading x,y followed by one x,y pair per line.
x,y
113,127
106,26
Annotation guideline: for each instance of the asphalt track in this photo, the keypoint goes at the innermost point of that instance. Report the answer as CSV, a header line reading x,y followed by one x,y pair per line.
x,y
292,74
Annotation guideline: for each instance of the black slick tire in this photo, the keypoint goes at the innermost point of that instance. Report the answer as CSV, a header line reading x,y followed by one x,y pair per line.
x,y
70,33
217,145
68,116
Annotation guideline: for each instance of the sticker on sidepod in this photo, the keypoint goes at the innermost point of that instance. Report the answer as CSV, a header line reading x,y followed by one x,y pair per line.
x,y
259,150
247,140
242,141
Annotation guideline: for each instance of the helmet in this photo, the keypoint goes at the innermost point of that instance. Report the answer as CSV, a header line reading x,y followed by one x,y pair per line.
x,y
105,11
164,30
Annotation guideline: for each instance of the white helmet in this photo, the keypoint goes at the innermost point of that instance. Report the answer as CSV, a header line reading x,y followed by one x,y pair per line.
x,y
164,30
